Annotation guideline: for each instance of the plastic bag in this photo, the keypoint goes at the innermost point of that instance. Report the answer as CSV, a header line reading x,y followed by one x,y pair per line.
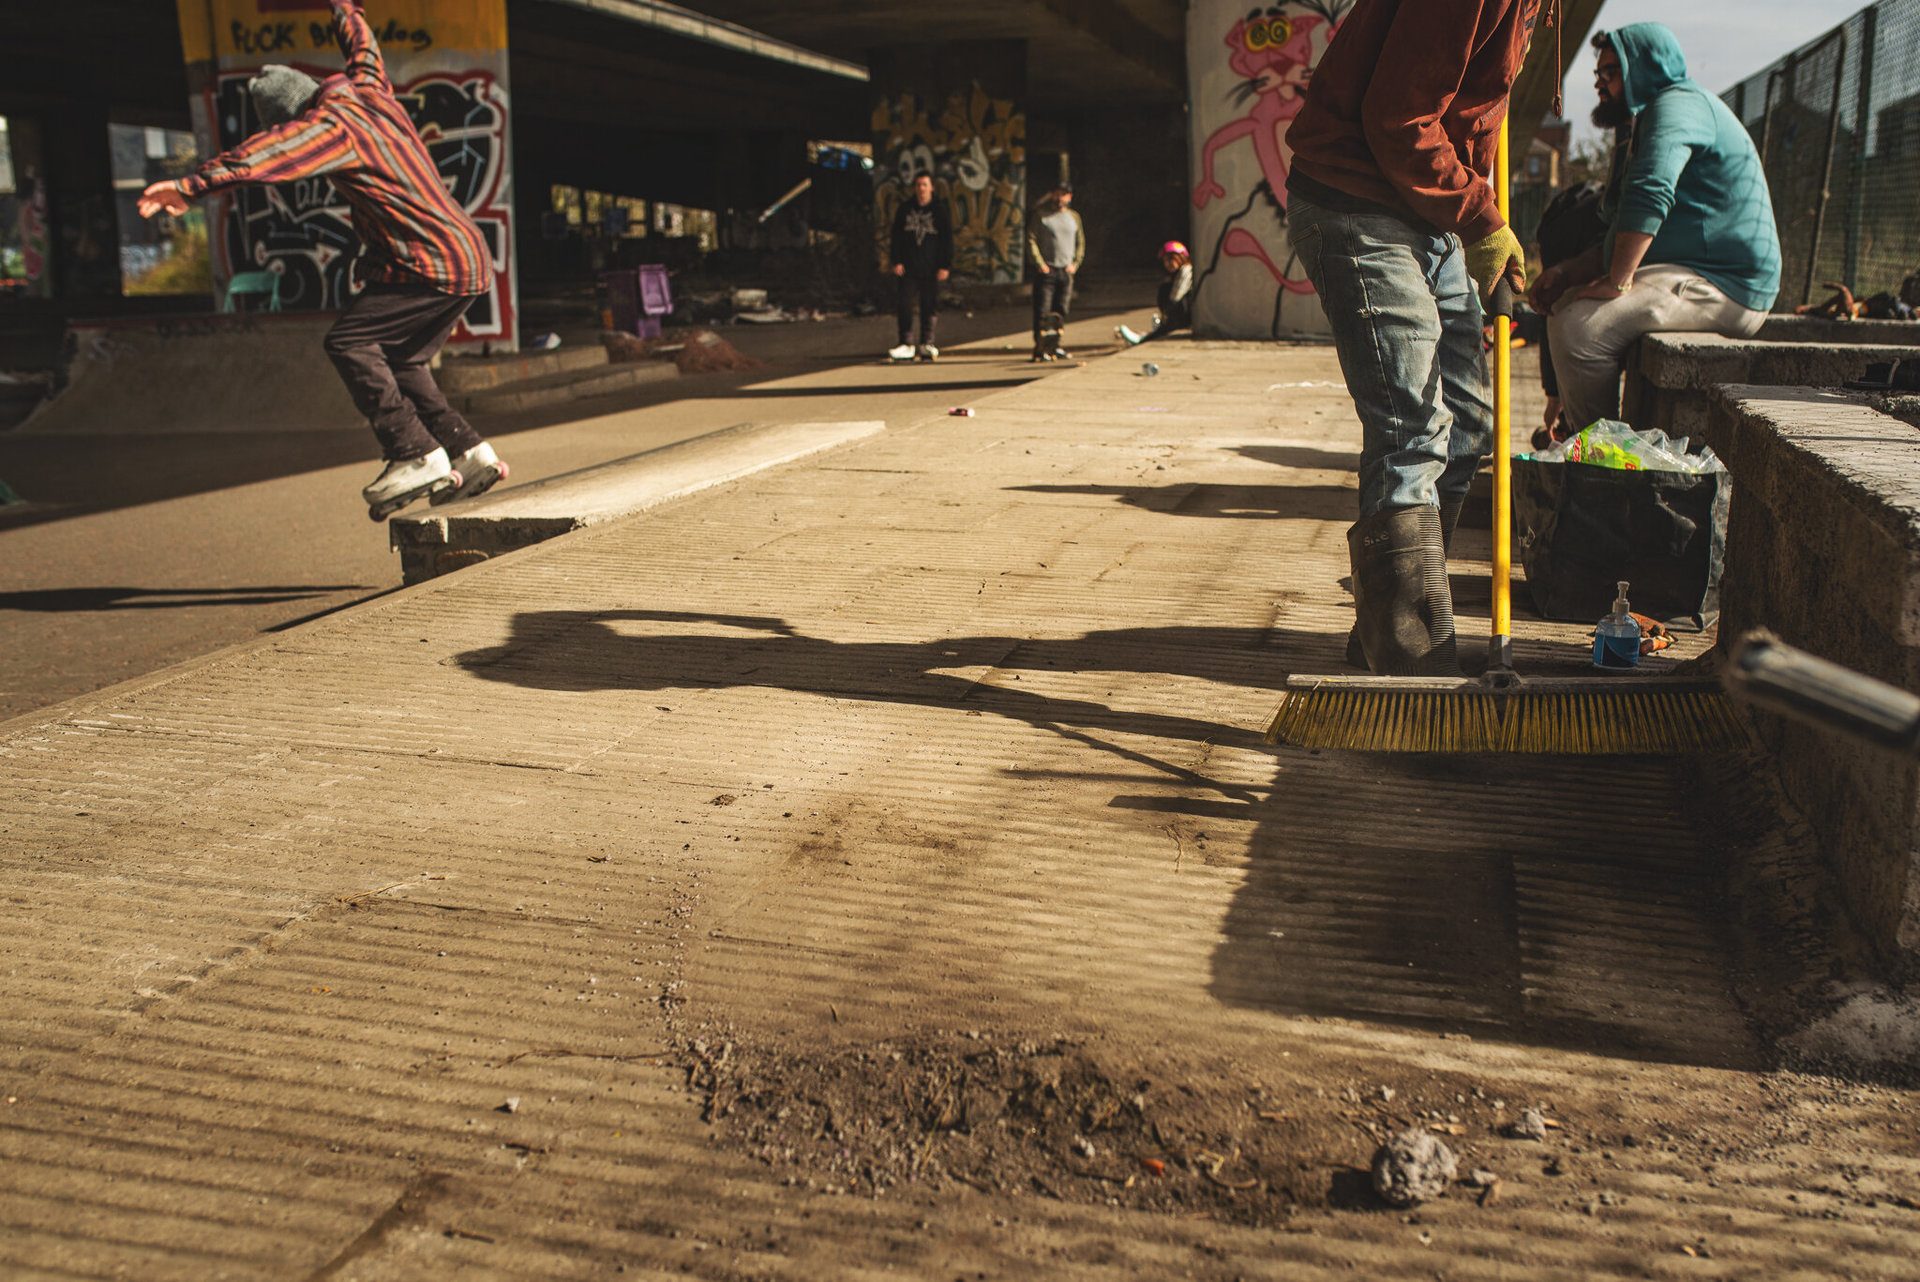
x,y
1610,443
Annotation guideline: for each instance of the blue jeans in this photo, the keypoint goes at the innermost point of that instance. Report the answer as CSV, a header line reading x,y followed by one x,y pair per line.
x,y
1407,323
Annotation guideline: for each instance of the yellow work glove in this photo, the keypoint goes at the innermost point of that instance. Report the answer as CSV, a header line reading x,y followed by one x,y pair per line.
x,y
1489,259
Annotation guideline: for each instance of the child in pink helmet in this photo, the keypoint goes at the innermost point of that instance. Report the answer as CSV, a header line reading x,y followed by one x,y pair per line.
x,y
1175,299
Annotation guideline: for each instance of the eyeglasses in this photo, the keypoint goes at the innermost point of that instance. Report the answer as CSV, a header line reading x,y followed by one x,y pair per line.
x,y
1607,71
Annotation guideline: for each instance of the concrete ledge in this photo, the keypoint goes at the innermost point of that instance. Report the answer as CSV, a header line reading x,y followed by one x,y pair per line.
x,y
1820,329
482,373
440,540
562,386
1823,547
1669,375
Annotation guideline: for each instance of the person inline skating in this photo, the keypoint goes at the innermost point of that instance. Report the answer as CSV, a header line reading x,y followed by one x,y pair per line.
x,y
425,260
1175,300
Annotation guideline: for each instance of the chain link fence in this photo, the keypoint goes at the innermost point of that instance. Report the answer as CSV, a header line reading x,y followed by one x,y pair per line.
x,y
1837,122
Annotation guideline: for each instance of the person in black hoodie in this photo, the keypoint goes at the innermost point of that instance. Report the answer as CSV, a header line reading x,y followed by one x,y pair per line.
x,y
922,261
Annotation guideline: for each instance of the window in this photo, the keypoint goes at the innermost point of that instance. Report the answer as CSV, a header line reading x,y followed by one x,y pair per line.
x,y
164,255
23,215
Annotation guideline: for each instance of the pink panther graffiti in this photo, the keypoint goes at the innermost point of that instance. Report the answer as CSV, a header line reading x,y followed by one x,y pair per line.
x,y
1274,50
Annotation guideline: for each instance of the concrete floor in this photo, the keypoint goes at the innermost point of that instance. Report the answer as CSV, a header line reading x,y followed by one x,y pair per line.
x,y
870,869
142,550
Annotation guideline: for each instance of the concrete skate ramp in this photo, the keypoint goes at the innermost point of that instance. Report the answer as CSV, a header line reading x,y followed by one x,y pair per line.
x,y
206,373
432,541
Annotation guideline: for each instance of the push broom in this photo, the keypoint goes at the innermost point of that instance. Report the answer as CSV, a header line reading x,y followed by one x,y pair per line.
x,y
1502,711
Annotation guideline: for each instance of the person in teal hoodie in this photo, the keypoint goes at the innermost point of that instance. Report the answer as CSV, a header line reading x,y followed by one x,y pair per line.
x,y
1692,244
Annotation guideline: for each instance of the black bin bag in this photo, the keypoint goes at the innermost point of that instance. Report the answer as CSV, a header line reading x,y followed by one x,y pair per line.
x,y
1584,528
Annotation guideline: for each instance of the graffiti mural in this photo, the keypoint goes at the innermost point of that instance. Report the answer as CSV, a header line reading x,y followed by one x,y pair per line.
x,y
1250,70
976,150
448,67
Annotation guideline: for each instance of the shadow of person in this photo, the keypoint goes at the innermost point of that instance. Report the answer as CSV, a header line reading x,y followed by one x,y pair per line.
x,y
1239,502
580,650
588,651
1302,456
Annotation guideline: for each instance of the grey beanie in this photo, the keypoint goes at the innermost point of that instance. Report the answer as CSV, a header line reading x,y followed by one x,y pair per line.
x,y
280,93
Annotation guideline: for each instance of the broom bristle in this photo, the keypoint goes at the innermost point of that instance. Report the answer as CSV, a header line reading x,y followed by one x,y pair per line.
x,y
1624,721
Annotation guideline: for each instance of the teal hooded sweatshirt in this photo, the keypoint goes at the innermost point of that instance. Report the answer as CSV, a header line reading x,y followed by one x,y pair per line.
x,y
1693,180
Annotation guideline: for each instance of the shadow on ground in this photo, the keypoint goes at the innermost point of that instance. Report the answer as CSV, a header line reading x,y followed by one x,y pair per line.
x,y
86,600
1289,502
1460,894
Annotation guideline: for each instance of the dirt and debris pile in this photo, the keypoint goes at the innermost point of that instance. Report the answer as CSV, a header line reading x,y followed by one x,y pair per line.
x,y
706,352
1029,1117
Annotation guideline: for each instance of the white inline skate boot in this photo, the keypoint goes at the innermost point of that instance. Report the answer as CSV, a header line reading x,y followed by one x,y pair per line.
x,y
479,470
404,480
904,352
928,352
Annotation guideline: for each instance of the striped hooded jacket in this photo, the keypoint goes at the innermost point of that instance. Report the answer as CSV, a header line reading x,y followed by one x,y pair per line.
x,y
359,136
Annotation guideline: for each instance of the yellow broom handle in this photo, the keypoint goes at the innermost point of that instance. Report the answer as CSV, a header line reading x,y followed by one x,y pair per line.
x,y
1502,450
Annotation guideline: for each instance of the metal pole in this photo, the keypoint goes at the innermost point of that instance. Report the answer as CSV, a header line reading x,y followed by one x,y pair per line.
x,y
1826,166
1766,120
1862,122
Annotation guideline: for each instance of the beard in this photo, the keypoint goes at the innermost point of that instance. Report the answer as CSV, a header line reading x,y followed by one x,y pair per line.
x,y
1610,113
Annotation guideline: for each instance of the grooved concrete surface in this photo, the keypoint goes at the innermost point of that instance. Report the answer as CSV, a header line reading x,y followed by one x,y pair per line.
x,y
954,730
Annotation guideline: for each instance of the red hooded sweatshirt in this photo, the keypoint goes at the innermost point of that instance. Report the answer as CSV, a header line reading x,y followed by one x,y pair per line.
x,y
1405,107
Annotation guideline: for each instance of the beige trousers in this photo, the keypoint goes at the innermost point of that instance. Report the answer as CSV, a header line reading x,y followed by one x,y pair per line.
x,y
1590,337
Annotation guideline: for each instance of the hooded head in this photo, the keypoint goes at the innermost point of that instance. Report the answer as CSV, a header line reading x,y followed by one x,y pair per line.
x,y
1650,61
280,93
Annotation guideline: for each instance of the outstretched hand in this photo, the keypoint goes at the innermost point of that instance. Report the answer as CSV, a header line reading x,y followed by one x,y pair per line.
x,y
163,197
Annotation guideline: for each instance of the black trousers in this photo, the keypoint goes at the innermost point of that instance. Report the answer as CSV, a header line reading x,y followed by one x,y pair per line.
x,y
1175,314
1052,292
382,345
926,290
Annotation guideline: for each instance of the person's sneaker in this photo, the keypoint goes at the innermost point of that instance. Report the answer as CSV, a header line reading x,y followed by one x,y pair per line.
x,y
402,481
1061,354
479,470
928,352
1127,336
904,352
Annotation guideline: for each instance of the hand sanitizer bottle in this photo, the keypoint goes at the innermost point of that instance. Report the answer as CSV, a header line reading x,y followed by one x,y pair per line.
x,y
1616,638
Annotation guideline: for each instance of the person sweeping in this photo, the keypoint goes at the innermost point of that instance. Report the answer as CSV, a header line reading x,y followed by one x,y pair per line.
x,y
425,261
1395,221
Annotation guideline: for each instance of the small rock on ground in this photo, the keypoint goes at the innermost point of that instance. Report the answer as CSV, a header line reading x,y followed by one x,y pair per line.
x,y
1413,1167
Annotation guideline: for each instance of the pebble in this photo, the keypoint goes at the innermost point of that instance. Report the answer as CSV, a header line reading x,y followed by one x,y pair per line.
x,y
1531,1126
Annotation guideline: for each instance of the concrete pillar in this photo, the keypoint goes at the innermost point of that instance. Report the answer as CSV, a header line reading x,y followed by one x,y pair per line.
x,y
1247,73
448,63
957,111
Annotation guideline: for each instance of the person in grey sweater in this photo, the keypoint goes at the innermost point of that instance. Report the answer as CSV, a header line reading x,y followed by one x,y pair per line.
x,y
1056,245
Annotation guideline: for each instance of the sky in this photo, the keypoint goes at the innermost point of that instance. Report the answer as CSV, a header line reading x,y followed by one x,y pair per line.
x,y
1725,40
